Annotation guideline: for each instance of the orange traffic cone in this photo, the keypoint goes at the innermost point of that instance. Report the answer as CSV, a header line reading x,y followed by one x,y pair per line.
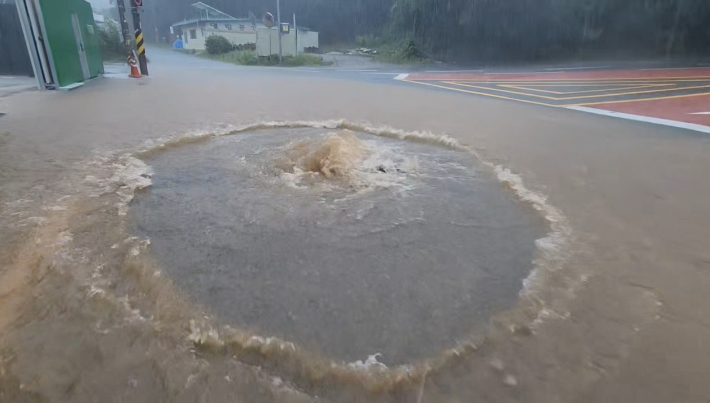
x,y
134,71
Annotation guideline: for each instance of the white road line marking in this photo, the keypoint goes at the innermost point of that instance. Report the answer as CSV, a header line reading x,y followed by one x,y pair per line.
x,y
669,68
358,71
523,73
401,77
577,68
389,74
308,71
454,71
658,121
700,113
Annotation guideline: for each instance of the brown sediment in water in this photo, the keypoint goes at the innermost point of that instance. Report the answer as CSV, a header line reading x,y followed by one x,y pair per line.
x,y
331,158
336,157
130,282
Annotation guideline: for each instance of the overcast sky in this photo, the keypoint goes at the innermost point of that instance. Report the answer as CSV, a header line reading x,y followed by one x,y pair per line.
x,y
99,4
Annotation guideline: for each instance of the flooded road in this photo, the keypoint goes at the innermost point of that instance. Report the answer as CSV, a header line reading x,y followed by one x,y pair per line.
x,y
586,240
347,244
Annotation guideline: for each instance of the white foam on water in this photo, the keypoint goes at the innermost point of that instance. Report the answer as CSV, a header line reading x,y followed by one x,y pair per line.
x,y
358,166
369,364
129,174
551,248
132,173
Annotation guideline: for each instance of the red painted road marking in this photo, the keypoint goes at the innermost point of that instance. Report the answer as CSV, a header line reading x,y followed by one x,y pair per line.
x,y
681,100
678,109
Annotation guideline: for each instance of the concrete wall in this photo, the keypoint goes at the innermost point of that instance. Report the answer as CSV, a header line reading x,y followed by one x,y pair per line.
x,y
244,34
264,47
307,39
236,38
238,33
199,42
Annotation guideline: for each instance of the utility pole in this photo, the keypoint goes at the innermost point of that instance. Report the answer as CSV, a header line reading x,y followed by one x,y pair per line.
x,y
124,28
140,45
278,17
295,28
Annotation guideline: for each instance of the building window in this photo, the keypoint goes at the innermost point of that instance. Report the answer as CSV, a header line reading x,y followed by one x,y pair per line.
x,y
193,34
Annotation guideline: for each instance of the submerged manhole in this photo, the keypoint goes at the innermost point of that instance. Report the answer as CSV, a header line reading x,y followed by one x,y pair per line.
x,y
346,243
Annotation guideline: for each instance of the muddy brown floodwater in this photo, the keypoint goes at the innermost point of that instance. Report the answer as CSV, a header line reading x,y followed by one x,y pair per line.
x,y
587,237
347,244
345,260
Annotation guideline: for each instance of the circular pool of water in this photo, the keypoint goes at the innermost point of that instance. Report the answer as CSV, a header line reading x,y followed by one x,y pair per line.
x,y
348,244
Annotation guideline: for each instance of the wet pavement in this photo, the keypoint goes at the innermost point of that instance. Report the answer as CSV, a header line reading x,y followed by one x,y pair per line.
x,y
14,84
614,310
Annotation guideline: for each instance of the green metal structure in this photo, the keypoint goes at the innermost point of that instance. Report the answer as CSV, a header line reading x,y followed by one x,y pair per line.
x,y
63,41
72,35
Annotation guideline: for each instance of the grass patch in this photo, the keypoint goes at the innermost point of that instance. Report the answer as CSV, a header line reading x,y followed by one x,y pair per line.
x,y
405,52
305,59
249,58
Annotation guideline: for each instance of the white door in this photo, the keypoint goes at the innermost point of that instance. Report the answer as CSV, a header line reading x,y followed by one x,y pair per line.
x,y
80,46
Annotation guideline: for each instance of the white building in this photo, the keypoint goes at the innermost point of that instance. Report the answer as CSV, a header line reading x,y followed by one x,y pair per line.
x,y
241,31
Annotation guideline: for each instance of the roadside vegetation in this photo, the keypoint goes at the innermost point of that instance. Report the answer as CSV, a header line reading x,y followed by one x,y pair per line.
x,y
111,43
404,51
219,48
391,50
488,30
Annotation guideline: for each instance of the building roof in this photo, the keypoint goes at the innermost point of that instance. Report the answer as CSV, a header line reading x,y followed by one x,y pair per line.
x,y
194,21
209,14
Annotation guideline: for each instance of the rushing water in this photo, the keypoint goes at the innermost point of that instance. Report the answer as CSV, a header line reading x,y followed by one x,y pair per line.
x,y
281,261
347,244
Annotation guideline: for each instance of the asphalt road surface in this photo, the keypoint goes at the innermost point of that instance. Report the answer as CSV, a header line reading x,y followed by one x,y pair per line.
x,y
617,310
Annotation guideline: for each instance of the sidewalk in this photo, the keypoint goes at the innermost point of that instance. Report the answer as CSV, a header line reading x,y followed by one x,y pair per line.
x,y
13,84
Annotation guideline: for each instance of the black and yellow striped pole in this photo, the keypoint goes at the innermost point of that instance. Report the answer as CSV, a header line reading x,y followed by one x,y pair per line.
x,y
140,45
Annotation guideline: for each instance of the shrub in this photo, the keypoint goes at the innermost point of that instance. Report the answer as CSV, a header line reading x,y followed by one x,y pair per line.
x,y
367,41
245,46
412,52
217,45
405,51
110,40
